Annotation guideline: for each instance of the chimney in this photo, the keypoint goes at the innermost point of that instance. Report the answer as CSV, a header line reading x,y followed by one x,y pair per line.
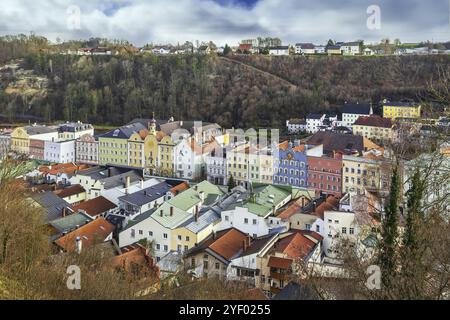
x,y
64,212
109,172
171,211
249,239
214,235
79,245
244,245
196,213
161,213
314,205
142,183
201,195
127,182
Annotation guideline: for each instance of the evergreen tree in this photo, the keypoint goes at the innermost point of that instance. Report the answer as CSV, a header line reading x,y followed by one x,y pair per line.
x,y
413,242
226,50
388,244
231,183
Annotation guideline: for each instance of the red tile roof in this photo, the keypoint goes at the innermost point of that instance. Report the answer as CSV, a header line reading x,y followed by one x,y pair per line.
x,y
73,190
295,246
280,263
374,121
291,210
95,206
180,188
91,233
229,244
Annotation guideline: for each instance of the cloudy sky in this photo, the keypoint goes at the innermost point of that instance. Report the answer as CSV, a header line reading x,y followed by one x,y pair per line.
x,y
226,21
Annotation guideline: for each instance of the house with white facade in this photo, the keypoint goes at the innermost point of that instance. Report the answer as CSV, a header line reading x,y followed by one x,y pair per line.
x,y
86,149
296,125
254,213
279,51
158,224
351,113
188,157
351,48
59,151
216,166
314,122
305,48
74,130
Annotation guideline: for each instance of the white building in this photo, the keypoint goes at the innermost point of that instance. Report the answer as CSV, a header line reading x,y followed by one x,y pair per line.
x,y
188,157
279,51
305,48
313,122
351,113
296,125
74,130
59,151
216,167
86,149
351,48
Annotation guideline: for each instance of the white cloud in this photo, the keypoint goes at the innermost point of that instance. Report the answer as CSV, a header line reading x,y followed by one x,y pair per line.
x,y
142,21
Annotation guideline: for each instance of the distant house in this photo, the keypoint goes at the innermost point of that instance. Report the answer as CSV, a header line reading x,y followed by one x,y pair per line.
x,y
314,121
320,49
246,48
98,207
279,51
296,125
395,110
351,48
368,52
73,195
334,50
205,50
351,113
305,48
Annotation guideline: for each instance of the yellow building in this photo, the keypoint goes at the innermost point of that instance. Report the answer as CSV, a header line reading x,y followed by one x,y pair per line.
x,y
373,128
360,174
21,136
238,163
394,110
186,237
166,153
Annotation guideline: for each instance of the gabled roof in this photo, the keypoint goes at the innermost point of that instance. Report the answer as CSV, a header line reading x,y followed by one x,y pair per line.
x,y
95,206
374,121
295,246
226,244
92,233
306,45
53,204
363,109
333,141
71,191
38,129
124,132
266,198
314,116
147,195
400,104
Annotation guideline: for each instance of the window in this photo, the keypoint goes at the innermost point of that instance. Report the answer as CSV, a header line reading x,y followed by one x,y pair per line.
x,y
133,233
205,265
166,248
187,238
179,237
158,246
344,230
308,227
165,235
217,266
245,221
254,221
317,228
352,231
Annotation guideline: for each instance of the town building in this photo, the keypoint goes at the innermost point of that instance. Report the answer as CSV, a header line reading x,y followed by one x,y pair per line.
x,y
59,151
394,110
360,174
75,130
374,128
296,126
314,122
113,145
305,48
73,194
351,48
86,149
325,174
21,136
37,149
290,167
351,113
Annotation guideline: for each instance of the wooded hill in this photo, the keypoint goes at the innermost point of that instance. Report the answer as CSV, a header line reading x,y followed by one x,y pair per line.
x,y
238,91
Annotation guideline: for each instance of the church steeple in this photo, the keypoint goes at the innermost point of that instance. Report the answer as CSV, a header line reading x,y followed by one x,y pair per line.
x,y
152,125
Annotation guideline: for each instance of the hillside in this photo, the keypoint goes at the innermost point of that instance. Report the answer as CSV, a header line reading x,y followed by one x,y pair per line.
x,y
239,91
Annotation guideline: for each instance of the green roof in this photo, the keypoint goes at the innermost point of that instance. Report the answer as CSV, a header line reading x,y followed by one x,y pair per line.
x,y
266,198
185,201
190,197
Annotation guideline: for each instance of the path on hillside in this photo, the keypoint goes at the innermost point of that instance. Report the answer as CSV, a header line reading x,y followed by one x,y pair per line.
x,y
291,86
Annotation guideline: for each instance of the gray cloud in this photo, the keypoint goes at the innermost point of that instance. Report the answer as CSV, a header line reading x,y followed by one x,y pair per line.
x,y
142,21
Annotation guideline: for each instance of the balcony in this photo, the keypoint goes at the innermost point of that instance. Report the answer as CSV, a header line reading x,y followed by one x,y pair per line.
x,y
279,276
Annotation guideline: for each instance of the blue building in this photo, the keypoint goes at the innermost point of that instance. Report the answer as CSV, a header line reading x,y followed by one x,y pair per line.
x,y
290,165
